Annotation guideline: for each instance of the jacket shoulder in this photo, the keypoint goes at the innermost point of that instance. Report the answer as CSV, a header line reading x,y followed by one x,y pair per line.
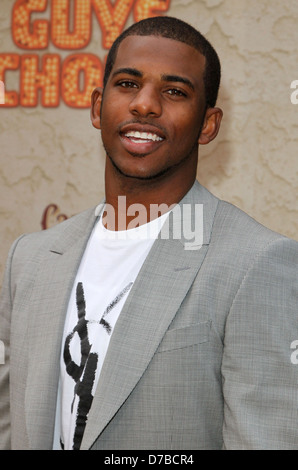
x,y
57,238
242,225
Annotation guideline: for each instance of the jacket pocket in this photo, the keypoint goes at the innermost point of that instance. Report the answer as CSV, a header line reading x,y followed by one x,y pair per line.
x,y
187,336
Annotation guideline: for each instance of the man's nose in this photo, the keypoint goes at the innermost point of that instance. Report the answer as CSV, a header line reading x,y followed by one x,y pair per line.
x,y
146,102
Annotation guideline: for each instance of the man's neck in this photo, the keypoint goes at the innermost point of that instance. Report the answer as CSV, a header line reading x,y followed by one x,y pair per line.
x,y
132,201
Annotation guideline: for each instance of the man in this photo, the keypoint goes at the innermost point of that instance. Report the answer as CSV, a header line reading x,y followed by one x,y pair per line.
x,y
134,328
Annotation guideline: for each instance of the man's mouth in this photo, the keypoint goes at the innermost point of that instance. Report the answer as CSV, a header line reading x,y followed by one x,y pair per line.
x,y
140,140
137,136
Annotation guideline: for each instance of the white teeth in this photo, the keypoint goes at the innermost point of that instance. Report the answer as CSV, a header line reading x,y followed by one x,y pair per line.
x,y
143,136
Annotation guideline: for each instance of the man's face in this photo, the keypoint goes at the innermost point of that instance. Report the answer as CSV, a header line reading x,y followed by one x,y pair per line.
x,y
153,107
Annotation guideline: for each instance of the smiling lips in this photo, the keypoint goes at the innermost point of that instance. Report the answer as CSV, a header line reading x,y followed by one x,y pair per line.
x,y
137,136
140,140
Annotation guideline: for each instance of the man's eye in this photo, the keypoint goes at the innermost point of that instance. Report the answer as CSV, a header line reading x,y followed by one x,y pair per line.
x,y
176,92
126,84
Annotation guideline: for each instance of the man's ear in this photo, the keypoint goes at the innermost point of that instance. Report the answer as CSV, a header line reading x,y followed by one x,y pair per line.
x,y
211,125
96,99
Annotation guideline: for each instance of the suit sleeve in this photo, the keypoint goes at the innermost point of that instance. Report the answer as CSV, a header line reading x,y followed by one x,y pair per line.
x,y
260,366
5,318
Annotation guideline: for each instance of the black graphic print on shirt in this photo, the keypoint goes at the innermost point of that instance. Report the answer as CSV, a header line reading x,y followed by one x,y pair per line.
x,y
84,373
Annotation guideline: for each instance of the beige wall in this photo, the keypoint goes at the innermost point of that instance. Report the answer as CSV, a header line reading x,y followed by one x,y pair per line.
x,y
55,156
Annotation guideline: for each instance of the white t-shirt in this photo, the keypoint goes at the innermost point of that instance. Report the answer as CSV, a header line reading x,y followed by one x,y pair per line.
x,y
109,267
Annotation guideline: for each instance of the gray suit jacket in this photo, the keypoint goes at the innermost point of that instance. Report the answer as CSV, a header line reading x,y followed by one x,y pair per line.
x,y
200,357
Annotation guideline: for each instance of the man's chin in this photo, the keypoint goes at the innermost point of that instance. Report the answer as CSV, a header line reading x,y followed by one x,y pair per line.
x,y
138,175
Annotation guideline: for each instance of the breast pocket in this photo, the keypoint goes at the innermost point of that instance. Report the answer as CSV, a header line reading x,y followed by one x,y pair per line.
x,y
179,338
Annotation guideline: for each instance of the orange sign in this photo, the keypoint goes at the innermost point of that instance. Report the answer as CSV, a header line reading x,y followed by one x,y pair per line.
x,y
69,28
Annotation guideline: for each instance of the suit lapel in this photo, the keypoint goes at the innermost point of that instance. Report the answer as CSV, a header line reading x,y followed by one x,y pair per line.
x,y
150,308
49,299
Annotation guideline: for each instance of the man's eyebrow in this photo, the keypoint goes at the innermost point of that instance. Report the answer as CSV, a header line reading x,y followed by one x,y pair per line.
x,y
128,71
177,78
166,77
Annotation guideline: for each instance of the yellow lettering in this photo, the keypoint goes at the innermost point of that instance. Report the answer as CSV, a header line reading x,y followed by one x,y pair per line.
x,y
111,19
78,68
47,80
61,34
9,62
25,34
150,8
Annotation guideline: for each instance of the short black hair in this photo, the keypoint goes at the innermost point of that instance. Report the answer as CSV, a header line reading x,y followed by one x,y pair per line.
x,y
173,28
